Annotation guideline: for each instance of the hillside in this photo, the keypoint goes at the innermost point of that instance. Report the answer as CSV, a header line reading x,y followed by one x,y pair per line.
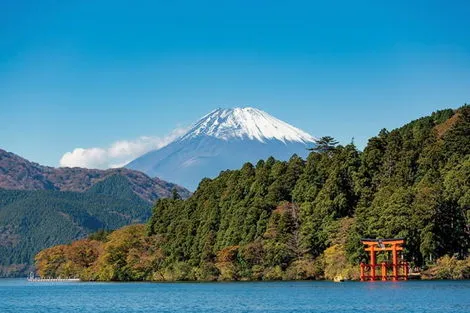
x,y
37,219
43,206
17,173
302,219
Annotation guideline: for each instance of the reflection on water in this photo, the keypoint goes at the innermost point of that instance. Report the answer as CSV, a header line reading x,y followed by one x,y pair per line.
x,y
406,297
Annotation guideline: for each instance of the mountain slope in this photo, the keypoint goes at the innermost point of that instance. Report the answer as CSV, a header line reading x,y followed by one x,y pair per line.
x,y
223,139
45,206
17,173
31,220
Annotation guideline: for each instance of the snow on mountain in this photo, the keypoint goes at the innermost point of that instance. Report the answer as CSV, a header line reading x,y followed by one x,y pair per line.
x,y
248,123
223,139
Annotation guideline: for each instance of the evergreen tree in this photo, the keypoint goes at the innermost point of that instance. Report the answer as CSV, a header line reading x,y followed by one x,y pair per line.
x,y
324,144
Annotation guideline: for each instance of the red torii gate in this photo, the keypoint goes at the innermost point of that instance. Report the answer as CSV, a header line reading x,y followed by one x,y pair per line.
x,y
399,269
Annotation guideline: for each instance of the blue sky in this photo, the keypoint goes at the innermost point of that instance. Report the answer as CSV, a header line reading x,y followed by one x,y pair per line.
x,y
88,74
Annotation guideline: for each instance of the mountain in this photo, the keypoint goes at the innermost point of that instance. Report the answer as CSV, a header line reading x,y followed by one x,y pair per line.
x,y
43,206
223,139
17,173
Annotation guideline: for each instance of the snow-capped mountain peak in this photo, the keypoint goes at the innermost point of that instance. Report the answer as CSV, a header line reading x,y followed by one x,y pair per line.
x,y
246,123
223,139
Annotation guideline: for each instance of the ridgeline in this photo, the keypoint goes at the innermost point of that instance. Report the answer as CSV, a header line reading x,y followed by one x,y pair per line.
x,y
301,219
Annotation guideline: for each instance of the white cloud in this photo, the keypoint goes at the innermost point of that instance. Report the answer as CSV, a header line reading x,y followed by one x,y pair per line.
x,y
118,153
90,158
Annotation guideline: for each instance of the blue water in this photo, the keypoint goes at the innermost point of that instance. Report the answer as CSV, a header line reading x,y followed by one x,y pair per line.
x,y
405,297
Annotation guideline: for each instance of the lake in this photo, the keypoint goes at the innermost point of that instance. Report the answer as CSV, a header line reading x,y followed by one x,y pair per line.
x,y
18,295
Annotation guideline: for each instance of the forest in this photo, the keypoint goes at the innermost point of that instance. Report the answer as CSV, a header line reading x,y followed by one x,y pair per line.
x,y
31,220
301,219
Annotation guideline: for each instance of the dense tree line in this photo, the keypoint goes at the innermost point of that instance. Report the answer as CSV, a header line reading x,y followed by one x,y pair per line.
x,y
303,219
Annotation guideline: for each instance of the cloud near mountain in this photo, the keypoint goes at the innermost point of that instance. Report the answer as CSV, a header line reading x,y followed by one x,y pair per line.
x,y
118,153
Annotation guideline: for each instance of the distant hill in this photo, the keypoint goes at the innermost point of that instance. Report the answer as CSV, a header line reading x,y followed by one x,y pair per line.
x,y
43,206
224,139
17,173
31,220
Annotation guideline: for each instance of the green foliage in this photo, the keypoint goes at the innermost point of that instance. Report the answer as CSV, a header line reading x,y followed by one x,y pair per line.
x,y
33,220
325,144
303,219
100,235
175,195
115,186
457,139
337,265
449,268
